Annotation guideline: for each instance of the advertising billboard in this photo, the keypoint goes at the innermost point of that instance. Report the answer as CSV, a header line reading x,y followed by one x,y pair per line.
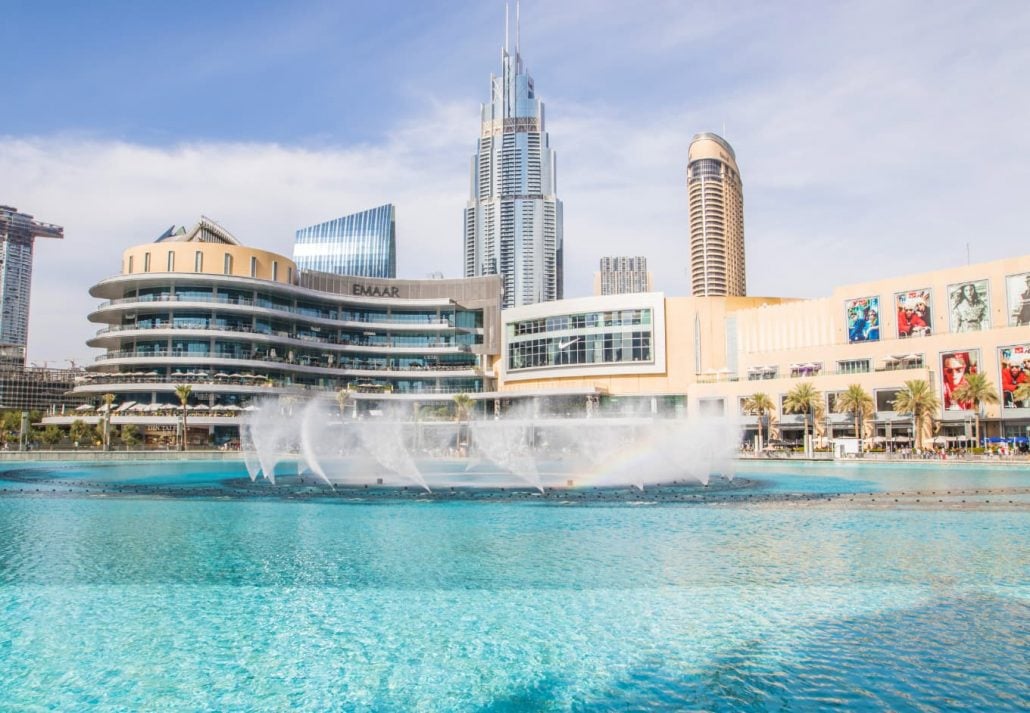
x,y
1017,287
862,316
969,306
1015,371
955,369
914,315
885,399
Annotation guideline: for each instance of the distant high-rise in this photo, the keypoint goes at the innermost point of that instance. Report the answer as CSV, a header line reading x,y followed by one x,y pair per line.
x,y
623,275
363,244
18,232
513,221
716,218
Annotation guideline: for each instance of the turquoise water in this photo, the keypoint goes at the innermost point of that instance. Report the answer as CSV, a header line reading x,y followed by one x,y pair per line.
x,y
169,598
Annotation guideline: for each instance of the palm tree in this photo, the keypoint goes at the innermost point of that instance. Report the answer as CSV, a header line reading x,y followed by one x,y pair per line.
x,y
805,399
759,405
108,400
77,431
51,436
917,398
857,401
979,390
462,409
129,435
183,391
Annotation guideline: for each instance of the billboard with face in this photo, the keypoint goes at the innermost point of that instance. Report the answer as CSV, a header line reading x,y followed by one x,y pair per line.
x,y
885,399
969,306
1015,371
914,317
863,319
1017,287
955,370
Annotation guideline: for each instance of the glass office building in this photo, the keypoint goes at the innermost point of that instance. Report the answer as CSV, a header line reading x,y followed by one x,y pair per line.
x,y
513,219
360,245
18,233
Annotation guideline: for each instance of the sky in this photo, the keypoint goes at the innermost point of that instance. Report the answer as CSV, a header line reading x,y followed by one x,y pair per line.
x,y
874,138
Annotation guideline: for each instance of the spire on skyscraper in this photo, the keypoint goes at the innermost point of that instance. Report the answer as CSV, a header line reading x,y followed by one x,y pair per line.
x,y
513,220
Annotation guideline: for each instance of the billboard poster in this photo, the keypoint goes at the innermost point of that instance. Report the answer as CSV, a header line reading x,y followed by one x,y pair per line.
x,y
1017,287
969,306
863,319
955,369
1015,371
914,316
885,399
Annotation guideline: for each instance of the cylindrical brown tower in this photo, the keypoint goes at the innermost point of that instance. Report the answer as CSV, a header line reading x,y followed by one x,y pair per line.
x,y
716,218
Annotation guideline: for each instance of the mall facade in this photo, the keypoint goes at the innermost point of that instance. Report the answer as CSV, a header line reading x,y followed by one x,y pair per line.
x,y
238,324
706,355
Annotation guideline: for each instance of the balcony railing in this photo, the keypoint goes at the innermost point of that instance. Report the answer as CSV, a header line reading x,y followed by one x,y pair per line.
x,y
355,366
287,309
436,343
266,383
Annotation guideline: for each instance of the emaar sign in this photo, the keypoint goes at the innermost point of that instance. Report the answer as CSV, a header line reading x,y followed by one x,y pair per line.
x,y
375,291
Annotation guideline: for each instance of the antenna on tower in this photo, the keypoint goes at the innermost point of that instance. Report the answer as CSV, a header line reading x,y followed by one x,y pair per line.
x,y
518,27
506,26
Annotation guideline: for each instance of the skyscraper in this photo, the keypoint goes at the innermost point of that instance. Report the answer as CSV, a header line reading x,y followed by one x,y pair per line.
x,y
18,232
623,275
363,244
716,218
513,220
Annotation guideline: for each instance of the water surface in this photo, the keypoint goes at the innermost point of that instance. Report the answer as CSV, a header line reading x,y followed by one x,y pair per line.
x,y
143,600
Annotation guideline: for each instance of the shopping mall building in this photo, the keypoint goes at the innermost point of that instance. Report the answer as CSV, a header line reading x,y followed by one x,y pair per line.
x,y
706,355
237,324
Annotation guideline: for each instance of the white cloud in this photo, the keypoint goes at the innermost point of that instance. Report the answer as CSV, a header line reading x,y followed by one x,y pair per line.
x,y
873,140
111,195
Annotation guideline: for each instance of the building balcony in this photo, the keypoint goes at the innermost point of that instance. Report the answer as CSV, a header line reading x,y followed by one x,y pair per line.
x,y
109,337
112,311
301,364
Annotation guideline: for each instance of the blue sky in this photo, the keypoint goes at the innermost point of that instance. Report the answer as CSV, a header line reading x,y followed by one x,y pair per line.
x,y
874,138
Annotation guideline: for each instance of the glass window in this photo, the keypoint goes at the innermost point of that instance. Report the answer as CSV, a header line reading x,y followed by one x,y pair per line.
x,y
171,261
198,261
227,264
146,262
853,366
275,270
253,267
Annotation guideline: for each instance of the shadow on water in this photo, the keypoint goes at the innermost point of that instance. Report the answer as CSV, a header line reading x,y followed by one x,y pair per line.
x,y
967,653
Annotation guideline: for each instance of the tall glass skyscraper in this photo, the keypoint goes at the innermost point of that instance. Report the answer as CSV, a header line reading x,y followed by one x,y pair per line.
x,y
363,244
18,232
513,220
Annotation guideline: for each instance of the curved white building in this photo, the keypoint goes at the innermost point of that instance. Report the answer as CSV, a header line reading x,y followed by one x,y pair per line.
x,y
237,323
